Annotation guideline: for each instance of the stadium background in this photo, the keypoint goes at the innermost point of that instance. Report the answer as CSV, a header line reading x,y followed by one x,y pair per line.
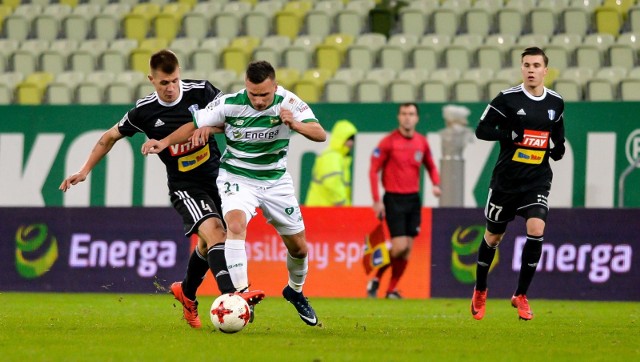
x,y
62,61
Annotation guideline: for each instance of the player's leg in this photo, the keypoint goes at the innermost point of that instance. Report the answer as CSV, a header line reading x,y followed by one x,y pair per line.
x,y
281,209
196,207
498,212
536,214
298,267
239,203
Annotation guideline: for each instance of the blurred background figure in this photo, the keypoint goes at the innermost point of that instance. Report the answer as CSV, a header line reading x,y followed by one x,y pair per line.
x,y
397,162
455,136
331,174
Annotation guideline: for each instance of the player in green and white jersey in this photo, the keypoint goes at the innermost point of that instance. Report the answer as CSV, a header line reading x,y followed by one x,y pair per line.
x,y
258,122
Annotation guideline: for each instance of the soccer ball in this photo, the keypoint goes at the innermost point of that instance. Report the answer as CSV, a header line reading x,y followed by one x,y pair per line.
x,y
230,313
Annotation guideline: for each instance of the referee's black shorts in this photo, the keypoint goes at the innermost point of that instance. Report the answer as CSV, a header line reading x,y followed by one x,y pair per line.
x,y
195,203
403,213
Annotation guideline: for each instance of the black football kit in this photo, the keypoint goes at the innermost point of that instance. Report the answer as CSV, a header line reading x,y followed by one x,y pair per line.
x,y
191,171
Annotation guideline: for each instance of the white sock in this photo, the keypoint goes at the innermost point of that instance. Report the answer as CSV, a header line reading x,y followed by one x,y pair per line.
x,y
236,255
298,268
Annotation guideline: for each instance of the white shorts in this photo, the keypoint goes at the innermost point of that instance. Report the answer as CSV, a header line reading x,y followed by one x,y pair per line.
x,y
276,199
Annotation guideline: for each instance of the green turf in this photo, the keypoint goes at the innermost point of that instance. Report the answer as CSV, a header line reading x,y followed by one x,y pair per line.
x,y
127,327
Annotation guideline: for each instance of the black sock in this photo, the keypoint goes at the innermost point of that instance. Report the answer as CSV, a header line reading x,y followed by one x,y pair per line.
x,y
196,270
218,265
530,257
485,258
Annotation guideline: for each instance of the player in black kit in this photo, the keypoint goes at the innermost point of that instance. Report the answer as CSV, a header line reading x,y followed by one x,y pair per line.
x,y
528,121
191,173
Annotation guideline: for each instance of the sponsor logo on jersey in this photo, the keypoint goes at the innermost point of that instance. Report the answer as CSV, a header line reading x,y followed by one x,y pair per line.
x,y
266,135
189,162
552,114
158,123
181,149
521,112
535,139
528,156
238,122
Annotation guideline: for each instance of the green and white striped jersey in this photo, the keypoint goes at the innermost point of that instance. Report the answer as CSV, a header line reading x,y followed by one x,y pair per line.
x,y
257,141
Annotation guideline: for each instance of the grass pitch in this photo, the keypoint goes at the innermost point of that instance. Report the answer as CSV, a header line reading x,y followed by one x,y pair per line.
x,y
132,327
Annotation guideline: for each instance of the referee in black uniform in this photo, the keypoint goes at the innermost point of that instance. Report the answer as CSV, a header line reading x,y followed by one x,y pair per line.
x,y
191,171
527,120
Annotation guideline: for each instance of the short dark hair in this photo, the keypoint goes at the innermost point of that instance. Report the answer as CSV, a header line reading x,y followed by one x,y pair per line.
x,y
258,71
164,60
409,104
535,51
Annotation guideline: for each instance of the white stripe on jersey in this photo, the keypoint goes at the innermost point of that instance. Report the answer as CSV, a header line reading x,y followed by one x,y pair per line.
x,y
515,89
554,93
191,205
146,100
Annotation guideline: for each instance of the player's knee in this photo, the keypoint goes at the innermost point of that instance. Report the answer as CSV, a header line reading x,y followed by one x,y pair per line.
x,y
493,240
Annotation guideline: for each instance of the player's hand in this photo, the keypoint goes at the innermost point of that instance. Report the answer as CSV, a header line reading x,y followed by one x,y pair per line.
x,y
152,147
378,209
287,118
72,180
557,152
517,131
201,136
436,191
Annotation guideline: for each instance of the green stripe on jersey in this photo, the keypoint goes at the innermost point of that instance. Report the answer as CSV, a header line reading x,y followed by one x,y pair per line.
x,y
254,174
262,121
258,147
258,160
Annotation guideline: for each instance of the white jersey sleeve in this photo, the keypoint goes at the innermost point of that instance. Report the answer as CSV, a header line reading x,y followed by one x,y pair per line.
x,y
212,115
301,110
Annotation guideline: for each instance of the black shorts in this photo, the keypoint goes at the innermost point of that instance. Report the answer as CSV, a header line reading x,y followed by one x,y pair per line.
x,y
502,207
403,212
195,204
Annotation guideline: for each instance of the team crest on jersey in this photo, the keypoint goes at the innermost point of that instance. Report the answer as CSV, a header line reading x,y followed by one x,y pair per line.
x,y
418,156
376,152
552,114
237,134
193,108
274,120
289,210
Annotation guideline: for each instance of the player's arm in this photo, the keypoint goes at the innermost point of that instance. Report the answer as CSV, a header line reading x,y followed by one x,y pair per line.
x,y
102,147
180,135
311,130
557,137
494,124
297,115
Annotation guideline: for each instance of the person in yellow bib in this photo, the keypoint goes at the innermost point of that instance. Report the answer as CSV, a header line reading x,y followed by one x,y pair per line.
x,y
331,175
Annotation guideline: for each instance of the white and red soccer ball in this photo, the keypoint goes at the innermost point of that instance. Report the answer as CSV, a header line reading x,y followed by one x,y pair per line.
x,y
230,313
